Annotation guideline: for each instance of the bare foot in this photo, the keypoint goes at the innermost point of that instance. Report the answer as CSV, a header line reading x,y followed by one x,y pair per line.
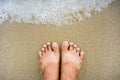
x,y
49,61
72,58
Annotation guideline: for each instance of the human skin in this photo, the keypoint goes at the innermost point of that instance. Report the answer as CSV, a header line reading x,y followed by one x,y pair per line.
x,y
71,61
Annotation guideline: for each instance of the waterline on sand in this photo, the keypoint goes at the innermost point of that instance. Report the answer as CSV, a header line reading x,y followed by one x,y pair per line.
x,y
50,12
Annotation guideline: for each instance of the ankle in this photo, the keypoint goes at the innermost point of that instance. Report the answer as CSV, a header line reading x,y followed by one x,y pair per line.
x,y
68,76
69,73
51,73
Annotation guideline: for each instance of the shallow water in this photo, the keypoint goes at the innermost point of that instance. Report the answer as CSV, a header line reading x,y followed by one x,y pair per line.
x,y
54,12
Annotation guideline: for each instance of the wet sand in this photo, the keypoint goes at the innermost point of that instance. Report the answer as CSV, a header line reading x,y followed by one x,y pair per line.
x,y
98,36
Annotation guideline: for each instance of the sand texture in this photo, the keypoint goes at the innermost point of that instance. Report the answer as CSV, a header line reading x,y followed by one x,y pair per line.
x,y
98,36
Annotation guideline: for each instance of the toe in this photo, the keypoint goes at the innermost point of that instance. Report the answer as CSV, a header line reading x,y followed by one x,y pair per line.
x,y
82,54
43,51
55,47
78,51
45,47
71,46
40,55
75,47
65,46
49,48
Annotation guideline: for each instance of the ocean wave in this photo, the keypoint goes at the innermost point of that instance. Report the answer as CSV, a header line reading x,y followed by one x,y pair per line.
x,y
50,12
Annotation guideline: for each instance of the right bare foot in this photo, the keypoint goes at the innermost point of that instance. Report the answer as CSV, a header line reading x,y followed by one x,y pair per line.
x,y
49,61
72,58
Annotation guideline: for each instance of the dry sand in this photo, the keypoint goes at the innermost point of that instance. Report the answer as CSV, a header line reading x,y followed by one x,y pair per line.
x,y
98,36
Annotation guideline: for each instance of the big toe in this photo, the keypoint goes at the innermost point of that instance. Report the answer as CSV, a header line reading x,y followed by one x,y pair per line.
x,y
82,54
55,47
65,46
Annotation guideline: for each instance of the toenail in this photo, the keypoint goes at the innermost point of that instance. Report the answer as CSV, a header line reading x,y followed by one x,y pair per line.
x,y
75,45
71,43
44,46
54,44
78,49
48,43
42,49
39,52
65,43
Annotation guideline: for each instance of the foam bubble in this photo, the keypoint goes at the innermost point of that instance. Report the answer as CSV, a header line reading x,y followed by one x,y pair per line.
x,y
53,12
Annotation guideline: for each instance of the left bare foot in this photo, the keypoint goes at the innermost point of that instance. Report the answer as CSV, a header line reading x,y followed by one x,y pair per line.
x,y
49,61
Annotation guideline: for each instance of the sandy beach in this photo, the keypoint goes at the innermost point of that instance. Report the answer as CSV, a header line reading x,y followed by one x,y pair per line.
x,y
98,36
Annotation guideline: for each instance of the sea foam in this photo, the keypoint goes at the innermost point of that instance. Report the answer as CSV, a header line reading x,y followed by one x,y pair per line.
x,y
50,12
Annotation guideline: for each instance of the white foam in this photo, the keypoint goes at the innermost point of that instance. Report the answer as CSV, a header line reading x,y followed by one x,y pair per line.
x,y
54,12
